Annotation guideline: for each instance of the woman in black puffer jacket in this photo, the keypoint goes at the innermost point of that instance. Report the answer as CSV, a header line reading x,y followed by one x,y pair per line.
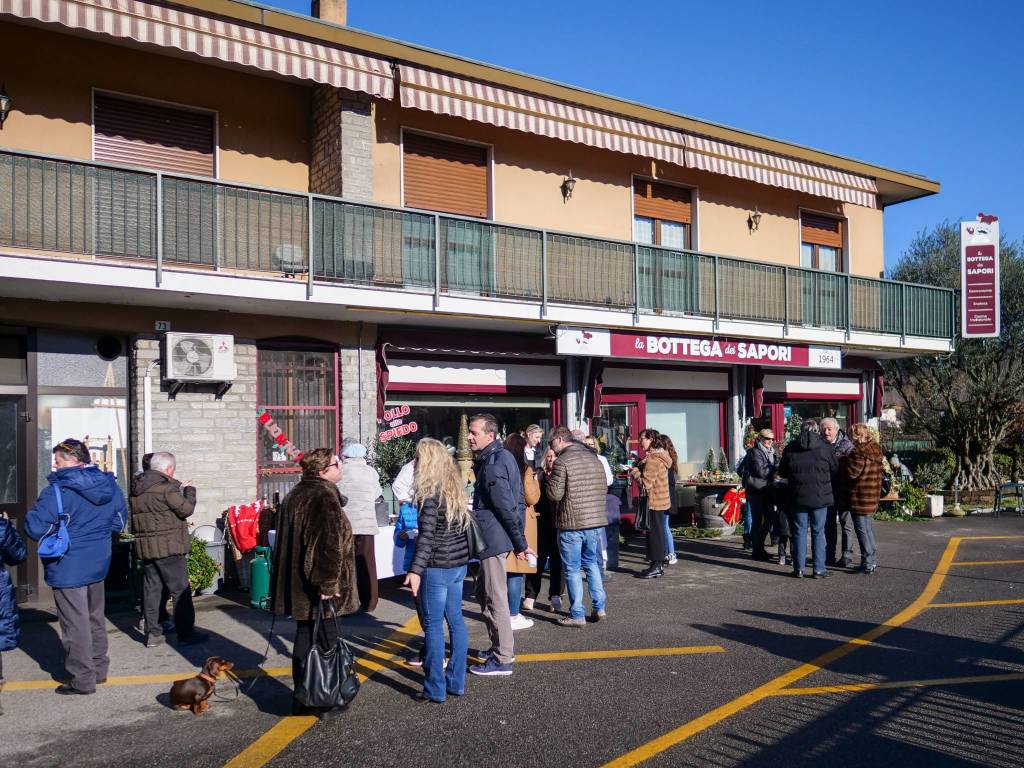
x,y
807,464
439,568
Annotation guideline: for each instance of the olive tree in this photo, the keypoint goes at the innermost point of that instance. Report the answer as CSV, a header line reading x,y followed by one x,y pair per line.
x,y
969,400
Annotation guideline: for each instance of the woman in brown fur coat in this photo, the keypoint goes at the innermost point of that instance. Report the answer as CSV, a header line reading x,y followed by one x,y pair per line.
x,y
314,557
864,471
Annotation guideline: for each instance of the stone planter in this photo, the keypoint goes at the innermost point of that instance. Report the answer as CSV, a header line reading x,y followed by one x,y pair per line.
x,y
933,506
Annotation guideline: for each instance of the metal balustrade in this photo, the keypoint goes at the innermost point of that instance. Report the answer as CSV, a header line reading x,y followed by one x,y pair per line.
x,y
62,206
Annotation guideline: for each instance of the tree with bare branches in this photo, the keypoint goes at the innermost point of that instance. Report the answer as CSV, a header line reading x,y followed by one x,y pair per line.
x,y
970,400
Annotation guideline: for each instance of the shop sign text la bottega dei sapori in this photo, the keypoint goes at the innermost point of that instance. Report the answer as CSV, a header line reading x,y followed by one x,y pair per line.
x,y
623,344
979,277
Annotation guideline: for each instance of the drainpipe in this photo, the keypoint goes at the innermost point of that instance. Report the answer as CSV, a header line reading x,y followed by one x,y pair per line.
x,y
147,408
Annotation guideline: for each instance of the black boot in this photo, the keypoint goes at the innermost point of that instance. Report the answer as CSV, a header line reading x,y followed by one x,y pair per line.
x,y
654,571
747,543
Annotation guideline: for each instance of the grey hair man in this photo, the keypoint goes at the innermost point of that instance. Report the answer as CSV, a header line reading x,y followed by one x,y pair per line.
x,y
839,513
160,508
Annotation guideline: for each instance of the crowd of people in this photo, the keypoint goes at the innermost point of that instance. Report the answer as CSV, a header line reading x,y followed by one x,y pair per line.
x,y
528,511
824,482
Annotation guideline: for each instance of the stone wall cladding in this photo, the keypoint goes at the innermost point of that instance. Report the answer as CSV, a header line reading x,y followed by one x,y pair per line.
x,y
358,391
214,440
342,135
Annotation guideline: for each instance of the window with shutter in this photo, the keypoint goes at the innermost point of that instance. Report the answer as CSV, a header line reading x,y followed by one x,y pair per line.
x,y
821,242
662,215
446,176
153,135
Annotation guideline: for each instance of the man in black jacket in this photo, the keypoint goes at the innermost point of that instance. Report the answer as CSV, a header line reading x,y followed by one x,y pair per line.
x,y
160,506
808,464
499,509
759,469
838,518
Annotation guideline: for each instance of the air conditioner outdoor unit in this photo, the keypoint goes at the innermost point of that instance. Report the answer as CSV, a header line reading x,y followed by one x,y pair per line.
x,y
199,357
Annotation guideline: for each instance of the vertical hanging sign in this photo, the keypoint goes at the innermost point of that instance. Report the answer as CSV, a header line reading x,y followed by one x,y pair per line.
x,y
979,277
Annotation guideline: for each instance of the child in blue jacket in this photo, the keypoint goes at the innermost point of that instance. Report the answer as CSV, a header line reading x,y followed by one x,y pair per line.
x,y
12,552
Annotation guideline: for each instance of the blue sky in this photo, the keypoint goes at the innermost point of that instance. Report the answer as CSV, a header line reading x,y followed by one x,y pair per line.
x,y
934,88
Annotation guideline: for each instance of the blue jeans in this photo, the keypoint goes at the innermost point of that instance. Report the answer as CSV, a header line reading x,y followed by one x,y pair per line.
x,y
515,592
670,544
440,600
582,550
816,517
748,519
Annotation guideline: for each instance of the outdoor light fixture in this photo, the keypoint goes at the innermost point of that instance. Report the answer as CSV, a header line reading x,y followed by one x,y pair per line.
x,y
754,220
5,104
567,186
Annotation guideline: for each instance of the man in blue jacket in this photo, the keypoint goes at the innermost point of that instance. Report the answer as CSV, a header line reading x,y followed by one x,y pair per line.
x,y
95,509
499,509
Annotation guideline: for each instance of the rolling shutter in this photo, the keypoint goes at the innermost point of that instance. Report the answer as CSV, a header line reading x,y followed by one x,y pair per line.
x,y
444,176
661,201
153,136
821,230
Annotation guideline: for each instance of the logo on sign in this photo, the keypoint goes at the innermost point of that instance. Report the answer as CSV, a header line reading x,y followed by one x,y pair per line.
x,y
394,418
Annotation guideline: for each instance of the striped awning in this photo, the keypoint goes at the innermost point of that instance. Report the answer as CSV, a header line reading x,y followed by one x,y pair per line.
x,y
212,38
778,171
482,102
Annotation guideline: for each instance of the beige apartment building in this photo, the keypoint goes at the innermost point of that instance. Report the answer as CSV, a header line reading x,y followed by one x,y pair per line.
x,y
210,210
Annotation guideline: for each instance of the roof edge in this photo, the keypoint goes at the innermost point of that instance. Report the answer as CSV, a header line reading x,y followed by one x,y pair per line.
x,y
317,29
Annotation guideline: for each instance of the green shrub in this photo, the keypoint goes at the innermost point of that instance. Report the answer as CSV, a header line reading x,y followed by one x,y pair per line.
x,y
913,498
202,569
389,457
933,475
1004,465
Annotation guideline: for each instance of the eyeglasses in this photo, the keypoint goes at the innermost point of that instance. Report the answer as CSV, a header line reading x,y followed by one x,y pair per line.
x,y
333,464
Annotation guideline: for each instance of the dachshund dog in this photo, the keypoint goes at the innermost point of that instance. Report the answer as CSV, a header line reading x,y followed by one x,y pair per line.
x,y
195,692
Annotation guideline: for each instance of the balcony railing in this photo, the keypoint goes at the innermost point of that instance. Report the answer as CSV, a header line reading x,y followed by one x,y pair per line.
x,y
66,206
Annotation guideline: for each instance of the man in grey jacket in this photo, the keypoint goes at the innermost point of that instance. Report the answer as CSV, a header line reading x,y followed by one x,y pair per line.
x,y
838,518
160,507
577,486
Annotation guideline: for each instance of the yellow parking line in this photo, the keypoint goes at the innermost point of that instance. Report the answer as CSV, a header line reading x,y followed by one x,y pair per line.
x,y
858,687
772,687
990,562
271,743
975,604
627,653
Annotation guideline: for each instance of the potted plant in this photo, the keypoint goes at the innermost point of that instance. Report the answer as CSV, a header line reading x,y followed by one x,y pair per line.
x,y
202,569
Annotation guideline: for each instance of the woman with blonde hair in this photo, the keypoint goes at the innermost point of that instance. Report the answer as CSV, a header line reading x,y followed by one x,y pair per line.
x,y
863,472
439,568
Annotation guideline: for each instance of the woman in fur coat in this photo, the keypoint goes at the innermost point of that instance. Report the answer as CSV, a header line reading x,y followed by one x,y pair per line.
x,y
314,559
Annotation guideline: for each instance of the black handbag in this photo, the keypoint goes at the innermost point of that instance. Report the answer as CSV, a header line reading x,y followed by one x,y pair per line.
x,y
643,511
475,539
328,675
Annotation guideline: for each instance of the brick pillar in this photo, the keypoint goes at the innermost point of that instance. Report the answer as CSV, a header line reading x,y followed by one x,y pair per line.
x,y
213,440
358,365
342,159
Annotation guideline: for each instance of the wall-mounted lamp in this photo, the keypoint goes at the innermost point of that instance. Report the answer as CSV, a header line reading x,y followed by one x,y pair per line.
x,y
567,186
754,220
5,104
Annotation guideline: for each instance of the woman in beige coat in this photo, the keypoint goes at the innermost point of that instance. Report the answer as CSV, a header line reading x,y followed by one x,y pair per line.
x,y
516,445
652,473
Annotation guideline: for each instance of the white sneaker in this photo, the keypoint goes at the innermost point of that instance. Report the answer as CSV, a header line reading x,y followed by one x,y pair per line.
x,y
672,559
556,604
528,603
521,622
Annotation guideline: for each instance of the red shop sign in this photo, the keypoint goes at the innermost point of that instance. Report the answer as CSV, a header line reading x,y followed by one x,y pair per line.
x,y
623,344
979,277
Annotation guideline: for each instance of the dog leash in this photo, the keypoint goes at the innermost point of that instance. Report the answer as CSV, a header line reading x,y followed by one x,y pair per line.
x,y
238,688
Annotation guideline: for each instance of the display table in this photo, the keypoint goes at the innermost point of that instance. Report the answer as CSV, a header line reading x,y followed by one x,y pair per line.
x,y
389,557
709,503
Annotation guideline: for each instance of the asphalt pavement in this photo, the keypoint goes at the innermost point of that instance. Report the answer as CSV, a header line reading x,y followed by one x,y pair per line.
x,y
723,662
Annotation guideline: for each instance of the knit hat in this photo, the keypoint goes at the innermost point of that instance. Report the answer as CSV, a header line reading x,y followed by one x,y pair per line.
x,y
354,451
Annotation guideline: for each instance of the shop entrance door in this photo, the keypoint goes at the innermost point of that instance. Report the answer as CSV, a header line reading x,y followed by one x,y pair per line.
x,y
12,474
617,430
